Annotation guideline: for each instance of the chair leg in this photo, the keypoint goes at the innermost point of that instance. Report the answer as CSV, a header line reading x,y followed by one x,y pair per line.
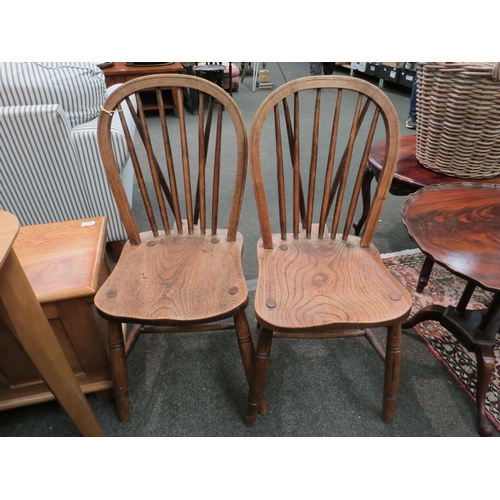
x,y
247,352
245,345
392,373
257,386
118,370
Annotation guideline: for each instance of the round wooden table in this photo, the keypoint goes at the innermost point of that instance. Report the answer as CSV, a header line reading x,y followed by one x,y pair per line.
x,y
409,177
458,226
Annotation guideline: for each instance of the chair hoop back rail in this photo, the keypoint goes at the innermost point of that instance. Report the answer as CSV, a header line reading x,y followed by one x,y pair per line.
x,y
185,273
315,283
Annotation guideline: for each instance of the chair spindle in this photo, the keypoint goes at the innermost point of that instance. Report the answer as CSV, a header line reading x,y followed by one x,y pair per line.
x,y
200,203
217,166
313,165
153,166
185,161
325,206
280,172
290,134
175,205
138,173
297,184
359,176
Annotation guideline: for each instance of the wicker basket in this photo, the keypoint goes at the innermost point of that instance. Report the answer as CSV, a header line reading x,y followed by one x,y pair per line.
x,y
458,118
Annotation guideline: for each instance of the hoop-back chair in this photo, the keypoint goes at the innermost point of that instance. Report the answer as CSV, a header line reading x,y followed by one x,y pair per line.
x,y
184,273
315,281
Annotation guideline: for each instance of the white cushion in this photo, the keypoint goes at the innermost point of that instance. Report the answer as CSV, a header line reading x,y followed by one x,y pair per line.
x,y
78,87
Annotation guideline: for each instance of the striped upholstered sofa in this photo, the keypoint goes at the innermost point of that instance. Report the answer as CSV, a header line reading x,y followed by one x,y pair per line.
x,y
50,167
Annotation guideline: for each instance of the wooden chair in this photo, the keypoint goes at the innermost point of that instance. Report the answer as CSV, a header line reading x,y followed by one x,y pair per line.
x,y
184,273
314,282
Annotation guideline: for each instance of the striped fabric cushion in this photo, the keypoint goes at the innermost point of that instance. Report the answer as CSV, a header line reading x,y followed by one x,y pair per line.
x,y
45,183
51,170
102,201
78,87
41,173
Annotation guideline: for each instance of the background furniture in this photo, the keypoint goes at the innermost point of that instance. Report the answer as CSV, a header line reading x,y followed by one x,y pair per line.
x,y
187,269
458,225
51,167
255,72
66,264
315,281
399,73
409,177
230,76
122,72
213,72
22,314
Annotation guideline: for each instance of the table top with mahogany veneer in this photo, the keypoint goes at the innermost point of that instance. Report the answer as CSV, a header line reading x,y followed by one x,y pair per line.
x,y
458,226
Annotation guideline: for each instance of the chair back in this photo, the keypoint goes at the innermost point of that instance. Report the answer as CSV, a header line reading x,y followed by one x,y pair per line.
x,y
314,168
193,164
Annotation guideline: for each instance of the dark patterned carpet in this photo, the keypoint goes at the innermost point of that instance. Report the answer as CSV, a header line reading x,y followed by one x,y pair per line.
x,y
444,288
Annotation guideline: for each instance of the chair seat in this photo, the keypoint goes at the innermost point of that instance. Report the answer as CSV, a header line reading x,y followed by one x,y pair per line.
x,y
173,279
321,293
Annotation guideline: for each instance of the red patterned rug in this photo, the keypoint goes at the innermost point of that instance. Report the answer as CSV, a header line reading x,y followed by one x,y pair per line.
x,y
445,289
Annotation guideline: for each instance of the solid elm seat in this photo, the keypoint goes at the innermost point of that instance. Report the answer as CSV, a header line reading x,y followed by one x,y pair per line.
x,y
216,260
65,263
325,266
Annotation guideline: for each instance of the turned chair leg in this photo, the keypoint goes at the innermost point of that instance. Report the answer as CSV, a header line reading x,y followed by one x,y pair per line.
x,y
247,352
245,345
255,395
118,370
392,371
